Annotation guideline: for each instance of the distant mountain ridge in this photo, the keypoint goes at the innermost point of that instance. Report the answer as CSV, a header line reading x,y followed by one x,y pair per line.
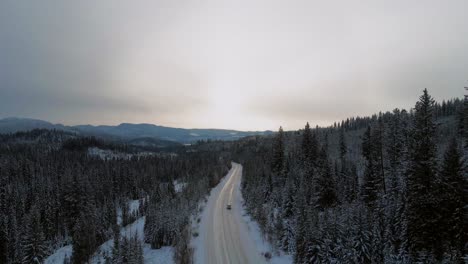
x,y
137,132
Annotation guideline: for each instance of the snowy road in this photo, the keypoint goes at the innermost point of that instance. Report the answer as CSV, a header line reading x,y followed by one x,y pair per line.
x,y
224,234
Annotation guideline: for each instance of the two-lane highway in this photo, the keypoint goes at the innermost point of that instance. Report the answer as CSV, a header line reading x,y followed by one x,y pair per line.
x,y
224,233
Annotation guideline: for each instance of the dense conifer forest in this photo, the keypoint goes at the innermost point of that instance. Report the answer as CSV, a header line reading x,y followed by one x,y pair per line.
x,y
54,193
391,188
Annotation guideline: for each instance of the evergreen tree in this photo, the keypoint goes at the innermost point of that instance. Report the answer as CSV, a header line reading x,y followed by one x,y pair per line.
x,y
33,242
370,189
453,200
423,213
3,240
465,120
343,146
84,237
326,184
277,161
309,147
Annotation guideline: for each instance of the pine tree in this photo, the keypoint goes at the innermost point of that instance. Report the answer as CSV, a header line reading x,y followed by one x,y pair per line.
x,y
395,151
116,257
379,147
309,147
277,161
343,146
33,242
3,240
326,184
84,237
422,201
465,120
370,189
453,199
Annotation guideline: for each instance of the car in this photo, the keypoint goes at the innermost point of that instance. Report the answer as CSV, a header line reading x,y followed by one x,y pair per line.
x,y
228,207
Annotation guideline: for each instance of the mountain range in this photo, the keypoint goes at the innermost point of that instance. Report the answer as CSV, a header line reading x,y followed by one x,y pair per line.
x,y
138,133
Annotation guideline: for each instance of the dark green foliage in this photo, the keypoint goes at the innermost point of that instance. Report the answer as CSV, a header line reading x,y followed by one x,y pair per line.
x,y
453,199
32,240
51,195
129,250
277,161
371,181
326,183
405,212
423,213
343,147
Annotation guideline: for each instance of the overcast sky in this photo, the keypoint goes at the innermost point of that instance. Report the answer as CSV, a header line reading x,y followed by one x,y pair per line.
x,y
239,64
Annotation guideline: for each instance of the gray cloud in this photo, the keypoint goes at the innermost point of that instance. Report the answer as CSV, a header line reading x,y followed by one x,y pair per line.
x,y
231,64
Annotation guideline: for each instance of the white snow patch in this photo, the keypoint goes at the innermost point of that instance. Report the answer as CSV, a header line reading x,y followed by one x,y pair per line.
x,y
158,256
107,154
59,255
179,186
162,255
133,206
255,235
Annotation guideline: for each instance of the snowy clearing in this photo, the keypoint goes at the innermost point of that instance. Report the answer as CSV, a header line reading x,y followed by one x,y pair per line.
x,y
151,256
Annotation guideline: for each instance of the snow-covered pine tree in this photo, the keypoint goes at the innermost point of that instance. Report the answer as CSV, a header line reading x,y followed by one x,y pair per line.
x,y
277,161
369,189
453,201
33,247
326,183
423,213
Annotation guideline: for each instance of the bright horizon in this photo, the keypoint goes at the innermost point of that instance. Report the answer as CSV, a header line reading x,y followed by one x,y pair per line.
x,y
244,65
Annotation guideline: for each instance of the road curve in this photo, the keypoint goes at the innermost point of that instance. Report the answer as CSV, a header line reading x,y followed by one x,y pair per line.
x,y
224,233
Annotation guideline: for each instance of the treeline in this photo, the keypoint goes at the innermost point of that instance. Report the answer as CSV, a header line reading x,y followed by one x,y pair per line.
x,y
392,189
55,196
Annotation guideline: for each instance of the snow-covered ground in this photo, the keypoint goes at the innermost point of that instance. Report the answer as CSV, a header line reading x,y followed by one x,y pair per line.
x,y
179,186
262,245
107,154
133,206
59,255
162,255
151,256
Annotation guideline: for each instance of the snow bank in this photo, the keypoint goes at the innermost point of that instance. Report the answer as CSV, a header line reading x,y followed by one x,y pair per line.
x,y
262,245
163,255
59,255
179,186
158,256
256,236
133,206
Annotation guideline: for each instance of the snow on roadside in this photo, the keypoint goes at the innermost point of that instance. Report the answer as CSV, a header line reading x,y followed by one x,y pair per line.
x,y
197,241
59,255
256,236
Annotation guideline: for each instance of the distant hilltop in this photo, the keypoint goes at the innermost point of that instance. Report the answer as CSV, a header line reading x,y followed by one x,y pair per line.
x,y
129,131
